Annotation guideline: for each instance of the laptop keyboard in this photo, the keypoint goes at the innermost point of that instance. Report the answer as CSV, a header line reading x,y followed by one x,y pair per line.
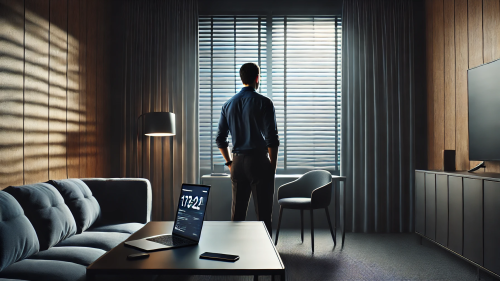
x,y
170,240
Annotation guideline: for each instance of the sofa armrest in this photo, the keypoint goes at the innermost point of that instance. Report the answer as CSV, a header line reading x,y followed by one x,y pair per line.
x,y
122,200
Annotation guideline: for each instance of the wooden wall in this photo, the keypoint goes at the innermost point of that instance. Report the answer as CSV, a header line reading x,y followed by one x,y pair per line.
x,y
55,106
460,34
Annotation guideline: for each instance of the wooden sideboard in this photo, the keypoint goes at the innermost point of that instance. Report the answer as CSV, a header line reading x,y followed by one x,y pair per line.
x,y
460,211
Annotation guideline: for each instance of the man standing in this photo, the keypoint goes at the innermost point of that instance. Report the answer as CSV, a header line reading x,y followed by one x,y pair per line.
x,y
251,119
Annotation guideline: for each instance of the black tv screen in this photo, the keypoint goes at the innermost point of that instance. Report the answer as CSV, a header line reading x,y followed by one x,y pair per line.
x,y
484,111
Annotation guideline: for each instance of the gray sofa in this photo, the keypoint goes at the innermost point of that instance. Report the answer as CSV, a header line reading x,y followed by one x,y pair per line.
x,y
54,230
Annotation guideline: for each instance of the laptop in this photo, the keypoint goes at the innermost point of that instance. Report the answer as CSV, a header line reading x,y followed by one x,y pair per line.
x,y
188,221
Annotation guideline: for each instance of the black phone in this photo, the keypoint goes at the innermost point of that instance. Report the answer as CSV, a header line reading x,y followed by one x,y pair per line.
x,y
219,256
137,256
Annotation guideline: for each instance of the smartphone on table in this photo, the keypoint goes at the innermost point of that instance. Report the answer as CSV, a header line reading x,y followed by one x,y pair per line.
x,y
219,256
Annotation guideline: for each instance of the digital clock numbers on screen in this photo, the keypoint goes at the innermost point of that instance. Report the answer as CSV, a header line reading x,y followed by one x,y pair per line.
x,y
187,201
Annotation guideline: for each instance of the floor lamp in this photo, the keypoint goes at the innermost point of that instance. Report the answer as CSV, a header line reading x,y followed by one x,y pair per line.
x,y
154,124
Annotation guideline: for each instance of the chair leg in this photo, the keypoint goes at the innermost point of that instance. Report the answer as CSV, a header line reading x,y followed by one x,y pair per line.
x,y
279,223
302,225
312,230
330,224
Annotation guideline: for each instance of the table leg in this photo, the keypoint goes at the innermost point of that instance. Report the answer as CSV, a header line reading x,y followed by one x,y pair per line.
x,y
256,278
343,213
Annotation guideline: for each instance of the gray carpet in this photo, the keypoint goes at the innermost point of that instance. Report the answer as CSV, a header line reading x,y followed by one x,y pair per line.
x,y
364,257
372,257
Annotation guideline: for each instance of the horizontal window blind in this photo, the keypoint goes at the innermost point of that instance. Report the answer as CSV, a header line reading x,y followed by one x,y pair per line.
x,y
302,77
225,43
306,63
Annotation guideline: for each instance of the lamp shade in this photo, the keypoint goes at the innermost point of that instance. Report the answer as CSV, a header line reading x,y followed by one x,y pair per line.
x,y
159,124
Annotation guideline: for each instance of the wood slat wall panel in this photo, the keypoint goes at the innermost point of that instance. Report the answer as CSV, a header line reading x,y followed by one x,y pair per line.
x,y
48,118
91,62
491,24
11,92
462,64
36,96
83,150
102,98
73,110
58,50
449,74
475,22
438,82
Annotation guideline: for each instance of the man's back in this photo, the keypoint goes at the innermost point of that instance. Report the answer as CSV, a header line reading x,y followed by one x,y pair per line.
x,y
250,118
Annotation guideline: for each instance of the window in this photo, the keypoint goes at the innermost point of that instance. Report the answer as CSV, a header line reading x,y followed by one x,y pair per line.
x,y
300,61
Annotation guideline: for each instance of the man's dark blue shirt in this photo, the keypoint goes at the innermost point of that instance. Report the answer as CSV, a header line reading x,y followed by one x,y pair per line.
x,y
251,119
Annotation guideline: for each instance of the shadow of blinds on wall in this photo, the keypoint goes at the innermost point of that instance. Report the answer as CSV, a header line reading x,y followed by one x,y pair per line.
x,y
300,61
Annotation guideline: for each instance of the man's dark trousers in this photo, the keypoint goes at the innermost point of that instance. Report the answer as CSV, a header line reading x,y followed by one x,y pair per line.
x,y
251,173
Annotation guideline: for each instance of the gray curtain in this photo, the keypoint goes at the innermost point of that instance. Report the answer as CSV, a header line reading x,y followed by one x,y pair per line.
x,y
161,74
377,115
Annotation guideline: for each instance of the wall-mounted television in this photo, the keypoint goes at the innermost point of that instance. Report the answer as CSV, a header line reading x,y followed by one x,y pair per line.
x,y
484,112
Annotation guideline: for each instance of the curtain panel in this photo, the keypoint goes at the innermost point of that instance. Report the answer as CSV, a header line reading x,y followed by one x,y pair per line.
x,y
377,115
161,74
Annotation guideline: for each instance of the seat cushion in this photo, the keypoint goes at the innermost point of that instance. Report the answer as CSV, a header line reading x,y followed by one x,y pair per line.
x,y
295,203
18,238
47,212
129,228
78,197
30,269
100,240
79,255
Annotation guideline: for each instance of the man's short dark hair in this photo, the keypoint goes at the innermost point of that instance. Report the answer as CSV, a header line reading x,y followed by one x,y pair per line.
x,y
249,72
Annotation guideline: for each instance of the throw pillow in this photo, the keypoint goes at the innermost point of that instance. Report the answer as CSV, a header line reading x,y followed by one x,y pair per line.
x,y
45,208
78,197
18,238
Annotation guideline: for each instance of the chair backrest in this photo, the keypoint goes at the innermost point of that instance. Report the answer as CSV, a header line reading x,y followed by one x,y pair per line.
x,y
315,179
306,184
320,186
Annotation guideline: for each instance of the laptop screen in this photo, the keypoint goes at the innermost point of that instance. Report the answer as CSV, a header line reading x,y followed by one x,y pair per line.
x,y
191,211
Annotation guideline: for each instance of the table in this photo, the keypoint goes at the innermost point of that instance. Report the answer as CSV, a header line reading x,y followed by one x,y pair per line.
x,y
250,240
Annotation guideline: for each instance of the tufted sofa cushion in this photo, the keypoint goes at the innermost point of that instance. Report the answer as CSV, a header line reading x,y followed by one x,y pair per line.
x,y
80,201
98,240
79,255
18,238
53,270
129,228
45,208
